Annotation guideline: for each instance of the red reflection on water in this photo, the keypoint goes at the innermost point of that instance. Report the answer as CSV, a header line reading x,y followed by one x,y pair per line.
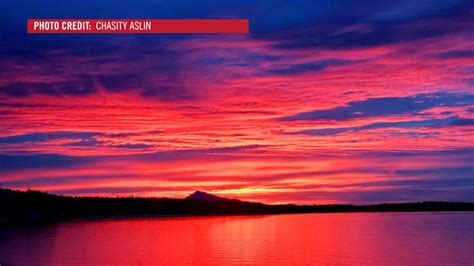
x,y
357,238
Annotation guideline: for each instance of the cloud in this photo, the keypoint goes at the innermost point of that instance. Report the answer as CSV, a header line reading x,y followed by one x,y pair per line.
x,y
120,82
405,9
76,139
441,172
392,23
133,146
432,123
9,162
83,86
388,195
373,107
43,137
308,67
107,190
304,178
37,161
456,54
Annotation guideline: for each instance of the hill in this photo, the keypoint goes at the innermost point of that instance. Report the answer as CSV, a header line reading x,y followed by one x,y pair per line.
x,y
199,195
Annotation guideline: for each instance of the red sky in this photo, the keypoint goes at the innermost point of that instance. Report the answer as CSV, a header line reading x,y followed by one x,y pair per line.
x,y
373,111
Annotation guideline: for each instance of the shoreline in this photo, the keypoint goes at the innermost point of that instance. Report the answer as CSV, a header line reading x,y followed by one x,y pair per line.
x,y
34,207
21,223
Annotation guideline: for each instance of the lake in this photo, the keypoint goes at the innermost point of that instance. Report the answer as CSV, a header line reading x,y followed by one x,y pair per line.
x,y
294,239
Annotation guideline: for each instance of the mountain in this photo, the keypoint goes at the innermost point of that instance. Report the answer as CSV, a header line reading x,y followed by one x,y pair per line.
x,y
199,195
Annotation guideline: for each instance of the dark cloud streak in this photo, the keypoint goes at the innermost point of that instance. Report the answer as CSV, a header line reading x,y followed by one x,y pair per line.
x,y
373,107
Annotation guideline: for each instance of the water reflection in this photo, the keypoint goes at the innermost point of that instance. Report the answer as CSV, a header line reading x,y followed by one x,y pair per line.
x,y
301,239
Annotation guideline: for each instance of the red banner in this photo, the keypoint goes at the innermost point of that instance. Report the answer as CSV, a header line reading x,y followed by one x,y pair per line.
x,y
138,26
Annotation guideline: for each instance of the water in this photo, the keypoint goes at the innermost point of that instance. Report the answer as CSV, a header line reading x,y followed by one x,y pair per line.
x,y
298,239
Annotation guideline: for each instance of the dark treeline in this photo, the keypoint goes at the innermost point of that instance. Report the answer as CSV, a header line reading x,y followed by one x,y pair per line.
x,y
35,206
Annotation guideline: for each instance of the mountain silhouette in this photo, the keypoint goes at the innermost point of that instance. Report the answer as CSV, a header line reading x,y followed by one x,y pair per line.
x,y
200,195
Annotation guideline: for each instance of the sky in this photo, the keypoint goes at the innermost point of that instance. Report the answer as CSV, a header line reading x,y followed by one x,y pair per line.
x,y
322,102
